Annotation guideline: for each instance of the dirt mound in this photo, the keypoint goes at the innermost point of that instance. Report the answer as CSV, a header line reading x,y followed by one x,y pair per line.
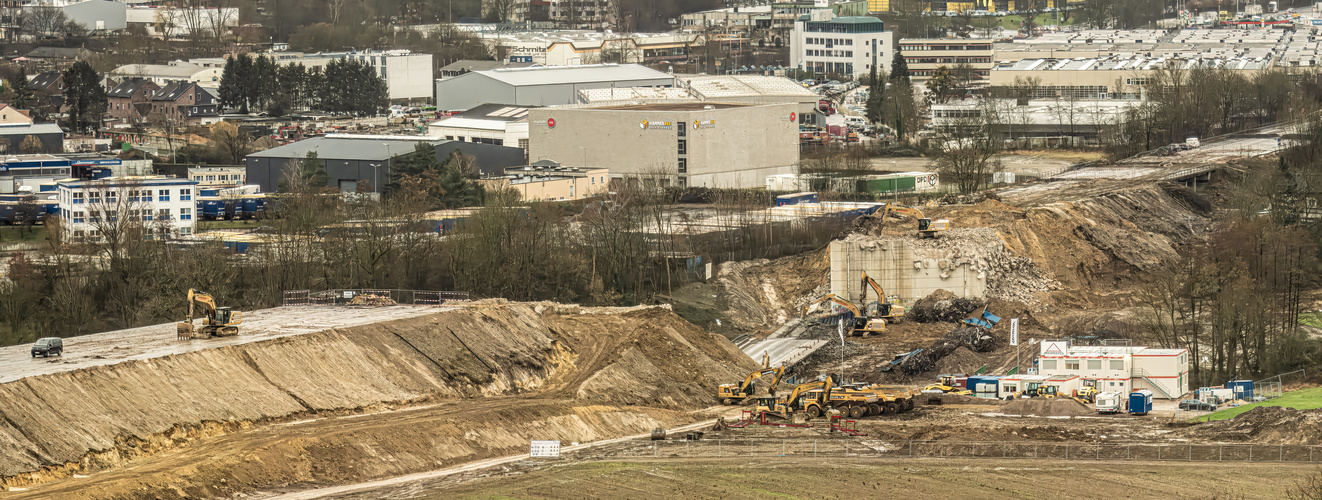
x,y
942,306
961,360
1047,407
974,338
1266,424
762,295
102,416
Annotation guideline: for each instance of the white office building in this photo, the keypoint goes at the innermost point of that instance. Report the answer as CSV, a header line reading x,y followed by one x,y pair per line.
x,y
845,47
1118,368
218,176
156,205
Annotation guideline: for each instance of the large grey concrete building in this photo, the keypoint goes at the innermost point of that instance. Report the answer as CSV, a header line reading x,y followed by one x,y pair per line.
x,y
709,144
349,159
541,86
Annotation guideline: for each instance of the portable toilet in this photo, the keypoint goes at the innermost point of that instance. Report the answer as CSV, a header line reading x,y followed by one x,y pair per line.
x,y
1243,389
1140,402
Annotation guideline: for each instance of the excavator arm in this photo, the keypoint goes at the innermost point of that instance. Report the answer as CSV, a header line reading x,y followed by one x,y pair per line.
x,y
868,282
833,298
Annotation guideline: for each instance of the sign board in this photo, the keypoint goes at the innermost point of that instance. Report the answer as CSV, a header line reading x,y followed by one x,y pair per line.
x,y
1014,331
1055,347
550,122
348,294
697,124
544,449
651,125
794,117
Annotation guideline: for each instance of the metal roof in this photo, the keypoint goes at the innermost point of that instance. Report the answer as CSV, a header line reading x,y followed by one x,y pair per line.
x,y
348,148
35,128
556,75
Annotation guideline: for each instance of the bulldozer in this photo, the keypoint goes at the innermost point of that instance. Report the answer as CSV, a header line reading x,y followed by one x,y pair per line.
x,y
927,228
216,321
854,319
736,393
947,385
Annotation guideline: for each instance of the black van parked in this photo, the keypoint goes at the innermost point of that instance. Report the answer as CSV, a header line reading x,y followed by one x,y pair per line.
x,y
49,346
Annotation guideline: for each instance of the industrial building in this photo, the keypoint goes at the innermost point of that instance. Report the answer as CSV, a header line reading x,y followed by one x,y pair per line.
x,y
681,144
547,180
1065,121
1118,368
49,134
541,86
495,124
751,89
164,74
844,46
349,159
925,55
218,176
577,47
97,15
163,204
1108,77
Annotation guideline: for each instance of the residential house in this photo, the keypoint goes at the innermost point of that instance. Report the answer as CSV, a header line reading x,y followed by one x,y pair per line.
x,y
130,101
68,54
185,102
50,87
10,114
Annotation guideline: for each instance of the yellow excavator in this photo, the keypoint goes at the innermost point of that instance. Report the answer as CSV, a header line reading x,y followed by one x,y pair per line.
x,y
927,228
882,307
216,321
810,398
736,393
858,323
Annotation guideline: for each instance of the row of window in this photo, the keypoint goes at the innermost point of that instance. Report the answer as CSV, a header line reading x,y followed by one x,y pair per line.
x,y
830,41
947,60
183,231
220,177
923,48
133,195
830,53
1093,364
79,217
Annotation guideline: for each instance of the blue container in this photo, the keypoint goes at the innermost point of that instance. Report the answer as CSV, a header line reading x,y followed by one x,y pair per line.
x,y
212,209
1140,402
1243,388
795,199
984,385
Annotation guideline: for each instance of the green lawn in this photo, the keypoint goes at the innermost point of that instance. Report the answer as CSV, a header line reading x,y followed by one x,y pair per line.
x,y
1303,399
1012,22
19,233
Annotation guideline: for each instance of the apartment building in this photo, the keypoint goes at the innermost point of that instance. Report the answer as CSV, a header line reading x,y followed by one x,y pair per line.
x,y
926,55
846,47
159,205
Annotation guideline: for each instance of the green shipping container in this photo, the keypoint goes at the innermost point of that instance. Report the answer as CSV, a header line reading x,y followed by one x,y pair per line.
x,y
887,184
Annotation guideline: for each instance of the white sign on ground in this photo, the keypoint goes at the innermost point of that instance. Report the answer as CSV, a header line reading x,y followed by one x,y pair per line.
x,y
544,449
1014,331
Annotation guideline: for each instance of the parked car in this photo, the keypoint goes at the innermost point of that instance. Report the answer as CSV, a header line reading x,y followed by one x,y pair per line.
x,y
49,346
1196,405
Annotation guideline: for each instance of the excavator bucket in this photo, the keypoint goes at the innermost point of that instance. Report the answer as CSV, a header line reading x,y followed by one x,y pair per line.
x,y
185,330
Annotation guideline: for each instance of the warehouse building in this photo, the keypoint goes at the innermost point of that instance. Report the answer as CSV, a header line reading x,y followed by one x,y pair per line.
x,y
748,89
496,124
1165,372
679,143
541,86
350,159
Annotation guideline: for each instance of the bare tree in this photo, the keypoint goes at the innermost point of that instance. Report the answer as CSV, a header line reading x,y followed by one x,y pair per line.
x,y
966,146
44,20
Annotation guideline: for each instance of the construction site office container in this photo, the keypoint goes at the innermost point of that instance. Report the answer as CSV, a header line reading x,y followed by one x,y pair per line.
x,y
1140,402
1243,389
795,199
984,386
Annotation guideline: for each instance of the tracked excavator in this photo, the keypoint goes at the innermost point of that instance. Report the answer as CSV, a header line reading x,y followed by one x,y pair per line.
x,y
810,398
216,321
882,307
736,393
927,228
858,323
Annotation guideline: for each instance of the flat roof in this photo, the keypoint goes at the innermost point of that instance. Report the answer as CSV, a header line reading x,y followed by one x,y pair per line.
x,y
553,75
709,87
672,106
348,147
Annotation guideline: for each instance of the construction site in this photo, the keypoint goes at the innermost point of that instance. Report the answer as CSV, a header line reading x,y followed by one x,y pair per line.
x,y
919,347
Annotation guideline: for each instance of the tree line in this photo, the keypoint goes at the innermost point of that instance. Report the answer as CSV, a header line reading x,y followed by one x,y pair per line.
x,y
344,86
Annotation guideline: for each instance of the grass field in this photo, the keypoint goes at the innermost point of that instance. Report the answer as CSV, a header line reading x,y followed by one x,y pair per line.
x,y
812,478
1013,22
17,233
1303,399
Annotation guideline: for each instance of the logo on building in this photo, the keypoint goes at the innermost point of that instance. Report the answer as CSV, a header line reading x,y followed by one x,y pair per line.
x,y
697,124
643,124
1055,348
550,122
794,117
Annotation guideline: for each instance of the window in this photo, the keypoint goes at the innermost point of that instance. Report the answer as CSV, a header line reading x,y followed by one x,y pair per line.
x,y
1071,364
683,146
1117,364
211,177
78,217
163,195
683,166
185,214
94,197
112,196
185,195
146,218
78,197
1048,364
1094,364
185,231
683,128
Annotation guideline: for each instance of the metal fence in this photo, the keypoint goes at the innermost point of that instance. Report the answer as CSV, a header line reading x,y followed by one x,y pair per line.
x,y
373,297
863,447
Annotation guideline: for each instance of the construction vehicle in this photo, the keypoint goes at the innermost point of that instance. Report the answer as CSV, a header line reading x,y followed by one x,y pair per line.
x,y
947,385
858,323
882,307
810,398
927,228
736,393
216,321
855,402
891,399
1086,395
1035,390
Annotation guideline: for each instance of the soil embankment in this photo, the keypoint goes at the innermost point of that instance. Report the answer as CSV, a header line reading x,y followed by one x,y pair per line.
x,y
490,378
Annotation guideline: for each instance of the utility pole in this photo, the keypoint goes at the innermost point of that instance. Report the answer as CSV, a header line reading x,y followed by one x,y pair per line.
x,y
841,330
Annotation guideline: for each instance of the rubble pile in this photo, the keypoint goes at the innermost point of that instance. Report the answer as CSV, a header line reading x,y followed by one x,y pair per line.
x,y
942,306
976,339
984,252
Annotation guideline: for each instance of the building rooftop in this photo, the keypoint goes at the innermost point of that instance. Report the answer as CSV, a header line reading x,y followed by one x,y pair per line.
x,y
554,75
671,106
337,146
713,87
478,65
35,128
128,87
177,69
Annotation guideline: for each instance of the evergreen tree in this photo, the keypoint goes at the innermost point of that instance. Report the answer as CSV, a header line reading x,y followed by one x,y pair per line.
x,y
25,99
231,85
899,69
422,159
84,96
243,78
876,97
262,84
